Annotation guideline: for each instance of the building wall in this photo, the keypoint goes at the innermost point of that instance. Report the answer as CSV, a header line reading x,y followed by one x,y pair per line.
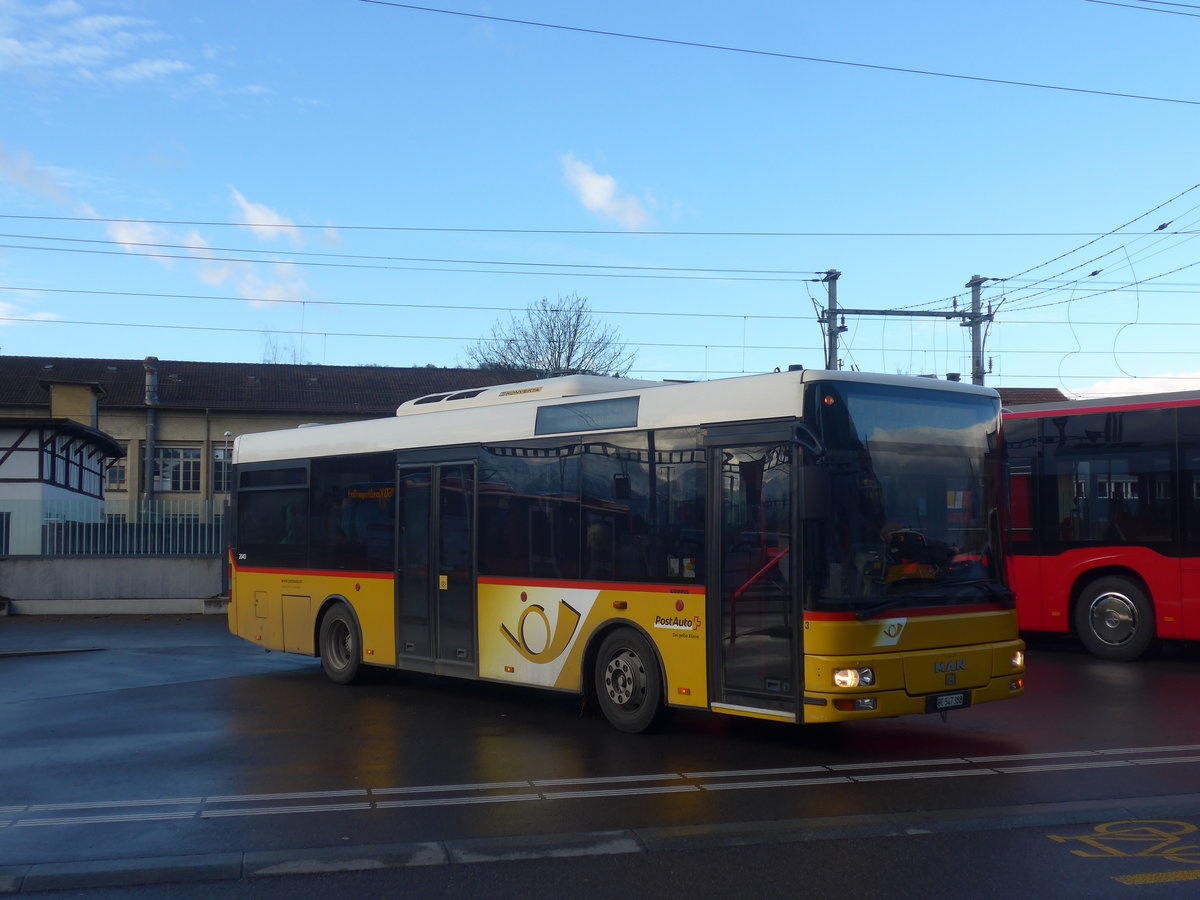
x,y
118,578
191,430
74,401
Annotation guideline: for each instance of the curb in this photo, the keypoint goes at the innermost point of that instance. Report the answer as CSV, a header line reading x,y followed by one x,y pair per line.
x,y
261,864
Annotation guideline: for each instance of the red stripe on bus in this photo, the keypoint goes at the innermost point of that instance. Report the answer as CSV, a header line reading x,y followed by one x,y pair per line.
x,y
316,573
905,613
1018,413
594,585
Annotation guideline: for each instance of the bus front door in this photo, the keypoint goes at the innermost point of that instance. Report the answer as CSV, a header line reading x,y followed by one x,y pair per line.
x,y
435,568
756,644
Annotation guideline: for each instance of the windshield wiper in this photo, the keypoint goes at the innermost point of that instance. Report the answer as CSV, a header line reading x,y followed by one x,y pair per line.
x,y
990,589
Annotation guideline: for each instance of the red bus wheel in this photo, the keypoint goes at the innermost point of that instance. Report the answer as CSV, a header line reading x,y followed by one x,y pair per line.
x,y
1115,619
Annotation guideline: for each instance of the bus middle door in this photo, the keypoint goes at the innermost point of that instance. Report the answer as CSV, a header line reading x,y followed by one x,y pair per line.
x,y
435,568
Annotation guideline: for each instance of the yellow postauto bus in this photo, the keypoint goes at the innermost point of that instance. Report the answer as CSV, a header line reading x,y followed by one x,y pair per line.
x,y
804,546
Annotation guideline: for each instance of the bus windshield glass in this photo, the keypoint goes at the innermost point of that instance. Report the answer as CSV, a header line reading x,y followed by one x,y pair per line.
x,y
912,478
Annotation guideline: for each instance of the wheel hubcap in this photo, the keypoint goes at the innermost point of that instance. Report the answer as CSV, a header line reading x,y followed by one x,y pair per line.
x,y
625,679
341,646
1113,617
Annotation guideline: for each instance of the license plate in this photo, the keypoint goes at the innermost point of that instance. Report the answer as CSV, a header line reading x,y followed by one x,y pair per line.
x,y
943,702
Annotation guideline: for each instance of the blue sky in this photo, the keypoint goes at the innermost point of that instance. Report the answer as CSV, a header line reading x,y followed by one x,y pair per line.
x,y
346,182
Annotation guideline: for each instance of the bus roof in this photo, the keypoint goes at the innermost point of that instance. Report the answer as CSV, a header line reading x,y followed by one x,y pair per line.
x,y
541,389
1105,404
509,412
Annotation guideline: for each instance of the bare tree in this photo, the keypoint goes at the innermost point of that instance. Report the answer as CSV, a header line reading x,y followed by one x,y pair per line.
x,y
562,337
282,350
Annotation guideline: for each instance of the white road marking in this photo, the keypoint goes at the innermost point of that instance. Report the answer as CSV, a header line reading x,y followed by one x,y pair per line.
x,y
284,803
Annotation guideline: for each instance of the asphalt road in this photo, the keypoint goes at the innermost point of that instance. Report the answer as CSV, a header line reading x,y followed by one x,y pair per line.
x,y
159,750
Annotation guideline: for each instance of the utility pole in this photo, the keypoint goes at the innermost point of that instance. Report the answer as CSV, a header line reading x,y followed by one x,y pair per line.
x,y
975,323
832,328
834,318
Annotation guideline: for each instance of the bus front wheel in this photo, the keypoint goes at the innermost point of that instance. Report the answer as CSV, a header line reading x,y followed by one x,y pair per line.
x,y
1115,619
629,685
340,645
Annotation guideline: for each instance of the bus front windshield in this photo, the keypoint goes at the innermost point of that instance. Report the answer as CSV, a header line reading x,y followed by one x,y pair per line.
x,y
912,478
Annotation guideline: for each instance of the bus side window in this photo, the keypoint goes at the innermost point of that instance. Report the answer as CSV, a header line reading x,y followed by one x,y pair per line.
x,y
1020,517
529,510
273,527
1112,475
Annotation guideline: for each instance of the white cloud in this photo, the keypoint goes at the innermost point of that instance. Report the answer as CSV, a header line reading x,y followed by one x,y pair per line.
x,y
283,281
133,236
213,272
102,27
264,222
11,311
286,284
129,234
63,37
20,169
63,8
1153,384
148,70
599,194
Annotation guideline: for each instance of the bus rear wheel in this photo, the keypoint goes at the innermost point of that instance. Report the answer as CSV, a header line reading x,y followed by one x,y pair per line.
x,y
629,685
340,646
1115,619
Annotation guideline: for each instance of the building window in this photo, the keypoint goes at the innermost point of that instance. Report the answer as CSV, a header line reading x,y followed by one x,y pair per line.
x,y
177,469
222,471
114,476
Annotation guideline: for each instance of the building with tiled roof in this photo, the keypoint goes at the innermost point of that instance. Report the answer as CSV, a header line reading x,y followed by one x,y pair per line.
x,y
1021,396
184,415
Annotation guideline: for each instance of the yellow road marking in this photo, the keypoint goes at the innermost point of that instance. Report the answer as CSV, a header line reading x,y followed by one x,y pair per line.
x,y
1159,877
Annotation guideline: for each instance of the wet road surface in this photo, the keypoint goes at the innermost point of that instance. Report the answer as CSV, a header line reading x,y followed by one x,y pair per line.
x,y
132,739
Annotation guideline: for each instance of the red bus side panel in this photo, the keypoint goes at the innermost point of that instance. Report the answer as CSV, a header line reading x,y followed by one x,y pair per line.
x,y
1043,586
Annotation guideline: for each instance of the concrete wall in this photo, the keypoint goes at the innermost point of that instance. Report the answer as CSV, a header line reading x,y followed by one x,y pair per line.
x,y
105,578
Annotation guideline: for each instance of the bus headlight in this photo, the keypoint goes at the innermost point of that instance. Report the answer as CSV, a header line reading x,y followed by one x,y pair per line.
x,y
852,678
1018,659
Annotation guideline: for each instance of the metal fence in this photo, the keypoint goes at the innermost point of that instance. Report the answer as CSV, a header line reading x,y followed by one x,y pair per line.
x,y
115,528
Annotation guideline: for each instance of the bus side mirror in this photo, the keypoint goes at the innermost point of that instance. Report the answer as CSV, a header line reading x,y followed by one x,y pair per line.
x,y
807,438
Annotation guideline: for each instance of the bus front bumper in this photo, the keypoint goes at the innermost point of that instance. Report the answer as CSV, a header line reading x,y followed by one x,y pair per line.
x,y
843,707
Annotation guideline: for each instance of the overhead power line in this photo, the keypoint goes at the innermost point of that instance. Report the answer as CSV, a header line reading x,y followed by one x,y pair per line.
x,y
777,55
375,334
200,256
1113,231
1172,12
230,329
384,305
201,253
433,229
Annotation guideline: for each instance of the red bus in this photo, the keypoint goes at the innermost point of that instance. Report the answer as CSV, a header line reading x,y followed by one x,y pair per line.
x,y
1104,520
